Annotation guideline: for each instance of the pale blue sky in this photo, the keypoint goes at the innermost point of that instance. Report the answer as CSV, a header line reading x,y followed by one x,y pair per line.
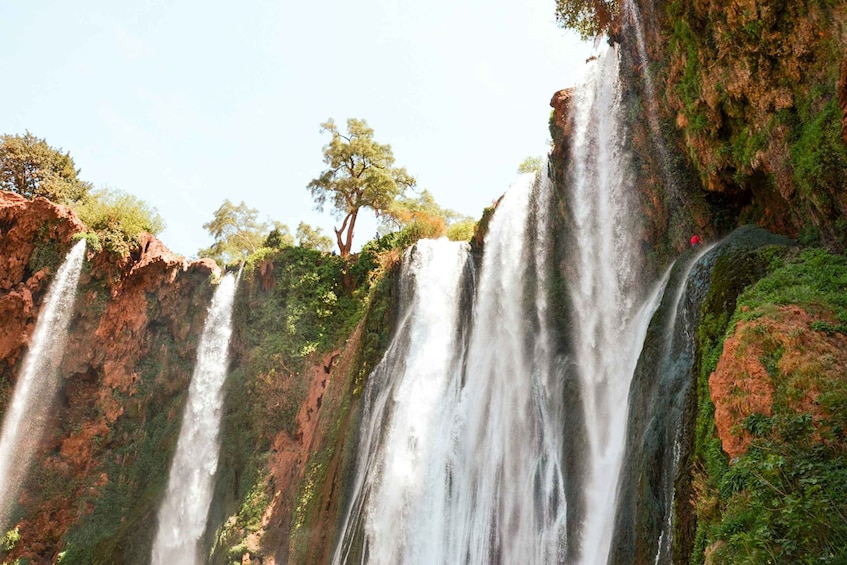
x,y
186,103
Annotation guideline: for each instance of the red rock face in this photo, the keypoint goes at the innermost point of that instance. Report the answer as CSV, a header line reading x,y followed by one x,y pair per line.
x,y
147,308
23,224
561,104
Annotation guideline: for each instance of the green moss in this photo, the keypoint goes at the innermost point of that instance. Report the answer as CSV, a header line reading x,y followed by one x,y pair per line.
x,y
819,156
784,500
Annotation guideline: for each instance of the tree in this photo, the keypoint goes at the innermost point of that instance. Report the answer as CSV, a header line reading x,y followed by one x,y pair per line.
x,y
313,238
531,165
118,218
589,18
237,232
32,168
360,175
423,217
279,237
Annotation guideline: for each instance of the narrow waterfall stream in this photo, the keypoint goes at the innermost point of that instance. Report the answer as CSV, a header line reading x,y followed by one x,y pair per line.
x,y
38,382
183,514
604,281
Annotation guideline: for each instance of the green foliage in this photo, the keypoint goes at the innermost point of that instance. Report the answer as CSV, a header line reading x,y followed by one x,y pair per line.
x,y
313,238
238,233
47,254
360,174
784,500
422,217
306,311
815,280
589,18
461,231
32,168
92,240
118,219
279,237
819,156
531,165
10,539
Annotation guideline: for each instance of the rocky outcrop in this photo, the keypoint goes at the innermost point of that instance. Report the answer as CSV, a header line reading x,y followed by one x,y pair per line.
x,y
34,236
129,357
780,350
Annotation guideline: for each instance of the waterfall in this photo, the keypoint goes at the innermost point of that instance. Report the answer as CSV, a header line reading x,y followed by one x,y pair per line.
x,y
506,446
650,102
461,441
603,279
38,382
183,514
400,496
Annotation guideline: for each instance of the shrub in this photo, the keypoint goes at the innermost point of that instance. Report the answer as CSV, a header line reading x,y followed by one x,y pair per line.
x,y
118,219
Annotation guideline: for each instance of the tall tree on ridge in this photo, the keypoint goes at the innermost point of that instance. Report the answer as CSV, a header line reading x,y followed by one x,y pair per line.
x,y
360,174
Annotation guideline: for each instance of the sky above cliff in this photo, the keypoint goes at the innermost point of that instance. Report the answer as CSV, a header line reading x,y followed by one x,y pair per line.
x,y
185,104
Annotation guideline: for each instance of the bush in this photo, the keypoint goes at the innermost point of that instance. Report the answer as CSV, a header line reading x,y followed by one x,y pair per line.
x,y
118,219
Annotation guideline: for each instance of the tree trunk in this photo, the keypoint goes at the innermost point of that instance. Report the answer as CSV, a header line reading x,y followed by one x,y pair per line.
x,y
344,234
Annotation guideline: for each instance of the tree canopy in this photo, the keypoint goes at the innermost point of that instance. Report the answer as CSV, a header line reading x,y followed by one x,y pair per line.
x,y
32,168
312,237
279,237
589,18
531,165
237,232
422,217
360,174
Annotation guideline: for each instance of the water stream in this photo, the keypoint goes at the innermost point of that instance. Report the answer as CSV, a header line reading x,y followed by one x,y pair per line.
x,y
471,442
184,511
38,382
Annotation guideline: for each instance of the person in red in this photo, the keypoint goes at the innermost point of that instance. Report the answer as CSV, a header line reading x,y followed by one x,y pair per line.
x,y
695,240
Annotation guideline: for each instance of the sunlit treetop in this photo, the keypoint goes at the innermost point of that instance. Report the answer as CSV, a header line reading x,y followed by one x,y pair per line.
x,y
589,18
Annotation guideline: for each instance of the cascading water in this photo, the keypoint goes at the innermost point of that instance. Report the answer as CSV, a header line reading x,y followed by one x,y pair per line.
x,y
183,514
476,455
410,399
604,287
461,449
38,382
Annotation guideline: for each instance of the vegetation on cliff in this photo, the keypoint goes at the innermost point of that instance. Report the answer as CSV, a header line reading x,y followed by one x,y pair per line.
x,y
772,395
32,168
755,90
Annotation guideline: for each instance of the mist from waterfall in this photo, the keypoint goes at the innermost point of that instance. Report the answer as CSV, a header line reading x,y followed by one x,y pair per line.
x,y
184,511
604,282
461,417
38,382
469,455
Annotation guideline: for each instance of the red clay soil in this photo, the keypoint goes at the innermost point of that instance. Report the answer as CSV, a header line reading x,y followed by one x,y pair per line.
x,y
741,384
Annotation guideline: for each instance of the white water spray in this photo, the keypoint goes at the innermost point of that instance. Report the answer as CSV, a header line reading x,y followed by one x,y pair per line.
x,y
401,485
604,290
183,514
38,382
462,449
509,504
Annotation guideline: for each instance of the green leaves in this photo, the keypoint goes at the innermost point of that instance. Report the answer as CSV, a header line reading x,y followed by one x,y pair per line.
x,y
360,174
238,233
589,18
32,168
118,219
